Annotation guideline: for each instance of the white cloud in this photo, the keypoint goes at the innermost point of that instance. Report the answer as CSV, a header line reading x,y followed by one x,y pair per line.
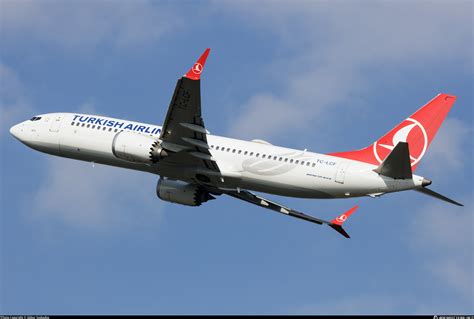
x,y
87,108
74,192
443,235
14,103
327,49
448,150
85,25
96,197
259,109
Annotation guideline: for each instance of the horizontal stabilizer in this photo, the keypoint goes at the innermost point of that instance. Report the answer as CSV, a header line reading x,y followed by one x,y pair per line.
x,y
432,193
397,164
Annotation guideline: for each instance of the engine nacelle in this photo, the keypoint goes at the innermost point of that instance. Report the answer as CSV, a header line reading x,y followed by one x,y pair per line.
x,y
136,148
181,192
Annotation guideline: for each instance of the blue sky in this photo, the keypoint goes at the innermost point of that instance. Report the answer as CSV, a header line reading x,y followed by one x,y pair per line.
x,y
318,75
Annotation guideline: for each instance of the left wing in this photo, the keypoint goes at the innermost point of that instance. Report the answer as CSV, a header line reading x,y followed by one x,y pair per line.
x,y
247,196
183,134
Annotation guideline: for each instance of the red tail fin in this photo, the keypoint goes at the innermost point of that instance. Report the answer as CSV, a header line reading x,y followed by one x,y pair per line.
x,y
418,130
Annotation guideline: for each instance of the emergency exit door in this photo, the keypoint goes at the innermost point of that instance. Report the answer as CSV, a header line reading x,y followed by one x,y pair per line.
x,y
341,173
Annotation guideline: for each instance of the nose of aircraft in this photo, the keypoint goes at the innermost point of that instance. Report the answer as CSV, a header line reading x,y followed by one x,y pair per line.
x,y
14,130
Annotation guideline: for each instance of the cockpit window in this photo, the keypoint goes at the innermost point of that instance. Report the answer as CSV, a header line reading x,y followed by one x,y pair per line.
x,y
35,118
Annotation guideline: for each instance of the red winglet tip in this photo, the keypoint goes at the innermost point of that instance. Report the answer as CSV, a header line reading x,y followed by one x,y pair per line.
x,y
195,72
343,217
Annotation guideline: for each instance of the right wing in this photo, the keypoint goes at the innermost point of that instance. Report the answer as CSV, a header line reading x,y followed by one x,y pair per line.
x,y
183,134
249,197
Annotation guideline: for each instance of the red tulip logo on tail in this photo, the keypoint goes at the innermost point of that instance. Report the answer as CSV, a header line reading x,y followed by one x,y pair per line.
x,y
410,131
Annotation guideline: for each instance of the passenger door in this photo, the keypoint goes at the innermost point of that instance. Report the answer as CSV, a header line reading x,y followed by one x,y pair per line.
x,y
55,124
341,172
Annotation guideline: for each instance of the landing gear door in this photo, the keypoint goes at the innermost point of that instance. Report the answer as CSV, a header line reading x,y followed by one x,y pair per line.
x,y
341,173
55,124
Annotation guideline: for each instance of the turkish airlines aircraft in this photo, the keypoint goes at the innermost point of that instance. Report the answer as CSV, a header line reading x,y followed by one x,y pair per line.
x,y
195,166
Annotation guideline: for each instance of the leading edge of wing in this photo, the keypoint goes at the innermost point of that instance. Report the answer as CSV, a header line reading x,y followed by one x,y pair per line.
x,y
195,72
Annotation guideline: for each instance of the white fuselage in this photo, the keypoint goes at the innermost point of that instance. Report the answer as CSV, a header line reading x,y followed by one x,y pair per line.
x,y
253,165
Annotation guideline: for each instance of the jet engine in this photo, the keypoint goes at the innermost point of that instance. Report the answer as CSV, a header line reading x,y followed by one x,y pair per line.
x,y
181,192
137,148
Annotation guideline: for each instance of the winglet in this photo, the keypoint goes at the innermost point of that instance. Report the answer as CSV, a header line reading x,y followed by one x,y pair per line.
x,y
195,72
343,217
337,222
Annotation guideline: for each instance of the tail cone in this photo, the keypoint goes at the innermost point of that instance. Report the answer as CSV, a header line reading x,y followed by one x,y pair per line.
x,y
426,182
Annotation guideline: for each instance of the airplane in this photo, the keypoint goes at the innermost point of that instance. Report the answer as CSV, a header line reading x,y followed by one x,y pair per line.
x,y
195,166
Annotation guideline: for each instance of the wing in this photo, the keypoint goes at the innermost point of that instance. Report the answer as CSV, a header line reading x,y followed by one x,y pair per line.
x,y
183,134
247,196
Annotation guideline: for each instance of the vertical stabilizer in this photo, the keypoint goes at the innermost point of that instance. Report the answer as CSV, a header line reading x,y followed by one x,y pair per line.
x,y
418,131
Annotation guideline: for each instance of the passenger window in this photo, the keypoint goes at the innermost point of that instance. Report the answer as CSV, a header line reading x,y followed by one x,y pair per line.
x,y
296,162
88,125
251,154
240,151
286,160
116,130
274,157
105,128
72,123
93,126
233,150
302,162
228,149
77,124
245,153
82,124
258,154
291,160
263,155
110,129
217,148
313,164
280,159
307,164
